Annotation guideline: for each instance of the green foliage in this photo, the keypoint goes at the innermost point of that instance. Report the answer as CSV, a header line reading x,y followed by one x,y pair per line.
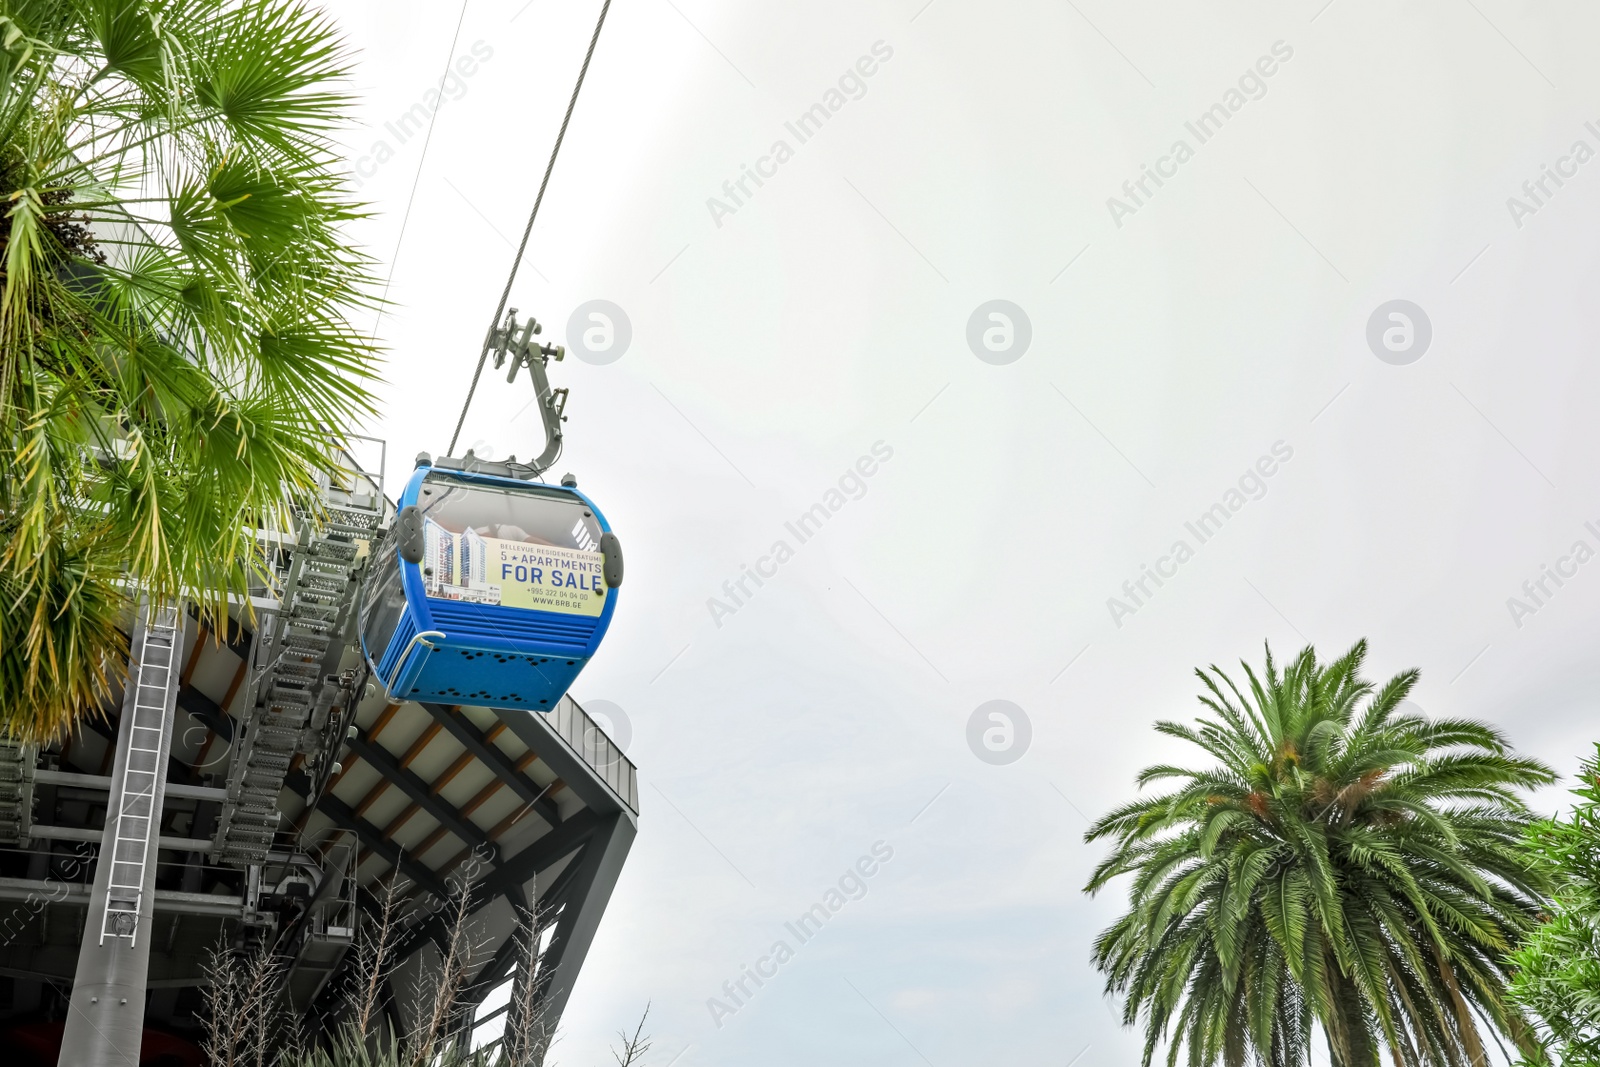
x,y
1558,968
176,360
1345,863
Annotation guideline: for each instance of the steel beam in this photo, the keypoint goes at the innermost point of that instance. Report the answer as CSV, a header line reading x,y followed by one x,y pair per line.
x,y
534,731
513,872
421,792
102,782
370,836
108,730
494,972
236,638
52,891
586,895
83,833
585,888
206,711
489,755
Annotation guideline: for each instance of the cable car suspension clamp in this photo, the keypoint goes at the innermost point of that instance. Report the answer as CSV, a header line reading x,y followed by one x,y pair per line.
x,y
504,342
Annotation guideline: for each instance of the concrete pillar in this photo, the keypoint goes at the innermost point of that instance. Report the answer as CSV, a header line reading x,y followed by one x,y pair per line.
x,y
105,1017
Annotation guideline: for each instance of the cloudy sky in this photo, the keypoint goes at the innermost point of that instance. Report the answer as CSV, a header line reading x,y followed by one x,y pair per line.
x,y
1357,274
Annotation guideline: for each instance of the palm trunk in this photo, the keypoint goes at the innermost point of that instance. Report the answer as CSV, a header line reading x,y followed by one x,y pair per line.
x,y
1350,1042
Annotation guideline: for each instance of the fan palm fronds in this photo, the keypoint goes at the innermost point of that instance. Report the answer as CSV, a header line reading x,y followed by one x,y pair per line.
x,y
176,356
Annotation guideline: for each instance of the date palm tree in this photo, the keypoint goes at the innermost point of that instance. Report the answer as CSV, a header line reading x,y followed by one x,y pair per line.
x,y
1344,863
176,355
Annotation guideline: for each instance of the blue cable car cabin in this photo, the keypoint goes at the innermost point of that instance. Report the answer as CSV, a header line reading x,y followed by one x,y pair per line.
x,y
489,589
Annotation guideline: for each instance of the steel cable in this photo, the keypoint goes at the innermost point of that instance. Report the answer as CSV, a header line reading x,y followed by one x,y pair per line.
x,y
505,293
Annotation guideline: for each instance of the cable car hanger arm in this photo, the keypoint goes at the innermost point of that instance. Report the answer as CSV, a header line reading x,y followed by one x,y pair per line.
x,y
523,351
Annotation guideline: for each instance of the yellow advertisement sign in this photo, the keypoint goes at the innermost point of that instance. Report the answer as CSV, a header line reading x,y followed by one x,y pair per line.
x,y
545,577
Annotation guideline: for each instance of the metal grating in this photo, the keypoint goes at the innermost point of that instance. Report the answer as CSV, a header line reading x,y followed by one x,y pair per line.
x,y
16,790
293,689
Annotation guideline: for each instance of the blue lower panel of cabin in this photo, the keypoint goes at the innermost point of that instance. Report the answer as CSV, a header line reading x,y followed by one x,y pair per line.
x,y
453,675
491,655
507,629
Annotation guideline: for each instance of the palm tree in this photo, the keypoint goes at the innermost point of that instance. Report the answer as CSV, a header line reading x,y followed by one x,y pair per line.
x,y
1346,862
176,356
1558,968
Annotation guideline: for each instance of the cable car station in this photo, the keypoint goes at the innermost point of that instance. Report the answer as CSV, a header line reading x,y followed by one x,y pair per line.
x,y
264,783
389,710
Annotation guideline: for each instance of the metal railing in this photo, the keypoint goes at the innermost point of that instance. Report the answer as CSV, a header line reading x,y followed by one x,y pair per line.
x,y
353,479
585,737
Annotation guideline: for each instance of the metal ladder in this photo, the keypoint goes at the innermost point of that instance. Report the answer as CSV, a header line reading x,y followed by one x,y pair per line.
x,y
137,816
294,689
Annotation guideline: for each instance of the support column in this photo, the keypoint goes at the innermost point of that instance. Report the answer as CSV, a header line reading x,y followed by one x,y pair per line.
x,y
586,896
105,1019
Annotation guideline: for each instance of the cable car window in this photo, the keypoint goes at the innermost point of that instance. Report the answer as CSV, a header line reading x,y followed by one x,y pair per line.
x,y
520,546
386,600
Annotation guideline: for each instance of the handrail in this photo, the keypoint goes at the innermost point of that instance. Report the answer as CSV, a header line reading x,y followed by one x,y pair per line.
x,y
421,636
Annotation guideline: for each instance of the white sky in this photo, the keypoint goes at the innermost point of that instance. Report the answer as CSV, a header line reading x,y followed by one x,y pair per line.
x,y
829,312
